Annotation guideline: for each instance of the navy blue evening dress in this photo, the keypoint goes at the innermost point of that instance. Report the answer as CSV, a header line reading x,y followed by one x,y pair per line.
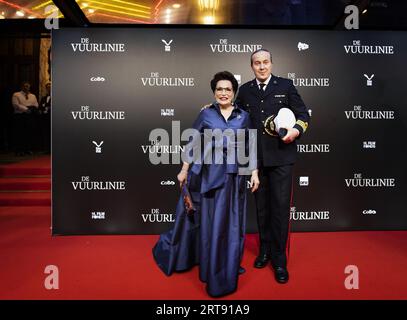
x,y
214,236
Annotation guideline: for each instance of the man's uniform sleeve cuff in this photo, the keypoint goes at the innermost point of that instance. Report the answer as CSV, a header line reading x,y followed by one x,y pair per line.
x,y
301,126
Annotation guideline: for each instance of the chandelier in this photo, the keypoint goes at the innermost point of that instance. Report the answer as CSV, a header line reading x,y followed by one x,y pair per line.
x,y
205,5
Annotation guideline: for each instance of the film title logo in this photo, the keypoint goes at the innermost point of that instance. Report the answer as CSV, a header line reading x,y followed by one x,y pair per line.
x,y
358,114
308,82
358,182
86,113
309,215
86,46
313,148
224,47
357,48
156,216
87,184
155,80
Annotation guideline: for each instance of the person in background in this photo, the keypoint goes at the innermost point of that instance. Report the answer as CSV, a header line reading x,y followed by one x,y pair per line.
x,y
45,119
25,104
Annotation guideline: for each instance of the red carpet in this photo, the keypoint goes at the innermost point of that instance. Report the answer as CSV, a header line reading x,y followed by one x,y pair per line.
x,y
37,166
26,183
21,184
122,267
25,199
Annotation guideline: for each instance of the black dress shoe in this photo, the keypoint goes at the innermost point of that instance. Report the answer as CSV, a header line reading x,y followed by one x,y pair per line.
x,y
261,261
281,274
242,270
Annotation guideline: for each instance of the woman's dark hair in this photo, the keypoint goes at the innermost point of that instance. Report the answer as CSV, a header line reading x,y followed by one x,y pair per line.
x,y
224,75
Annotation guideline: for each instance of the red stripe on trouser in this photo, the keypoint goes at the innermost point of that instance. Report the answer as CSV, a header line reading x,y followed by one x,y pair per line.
x,y
289,221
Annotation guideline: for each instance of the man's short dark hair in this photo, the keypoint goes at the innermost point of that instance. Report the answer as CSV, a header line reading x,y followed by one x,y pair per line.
x,y
257,51
224,75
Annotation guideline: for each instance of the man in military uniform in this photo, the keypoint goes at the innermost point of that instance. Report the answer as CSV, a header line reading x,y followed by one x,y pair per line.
x,y
263,97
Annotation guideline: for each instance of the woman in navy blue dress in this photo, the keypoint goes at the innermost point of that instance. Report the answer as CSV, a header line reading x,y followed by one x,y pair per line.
x,y
213,236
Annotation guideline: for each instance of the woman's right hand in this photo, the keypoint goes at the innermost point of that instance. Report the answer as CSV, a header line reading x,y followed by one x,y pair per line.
x,y
182,177
254,181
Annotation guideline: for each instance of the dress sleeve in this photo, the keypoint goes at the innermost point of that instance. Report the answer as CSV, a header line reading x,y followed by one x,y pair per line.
x,y
251,144
199,122
193,149
250,147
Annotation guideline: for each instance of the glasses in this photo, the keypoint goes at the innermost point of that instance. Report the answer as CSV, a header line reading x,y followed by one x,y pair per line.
x,y
227,90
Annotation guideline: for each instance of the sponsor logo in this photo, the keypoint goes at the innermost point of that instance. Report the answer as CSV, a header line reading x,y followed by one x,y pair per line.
x,y
86,184
98,215
302,46
156,216
308,82
98,148
304,181
167,45
358,182
370,211
369,144
168,183
97,79
225,47
357,48
308,215
167,112
358,114
86,113
155,80
238,77
369,81
86,46
313,148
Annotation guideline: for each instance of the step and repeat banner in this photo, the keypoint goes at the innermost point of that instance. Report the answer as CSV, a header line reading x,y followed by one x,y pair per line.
x,y
113,87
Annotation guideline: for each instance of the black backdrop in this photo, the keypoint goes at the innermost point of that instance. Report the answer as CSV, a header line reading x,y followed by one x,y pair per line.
x,y
354,142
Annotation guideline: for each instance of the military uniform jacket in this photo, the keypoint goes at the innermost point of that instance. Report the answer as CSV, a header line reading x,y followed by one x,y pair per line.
x,y
279,93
